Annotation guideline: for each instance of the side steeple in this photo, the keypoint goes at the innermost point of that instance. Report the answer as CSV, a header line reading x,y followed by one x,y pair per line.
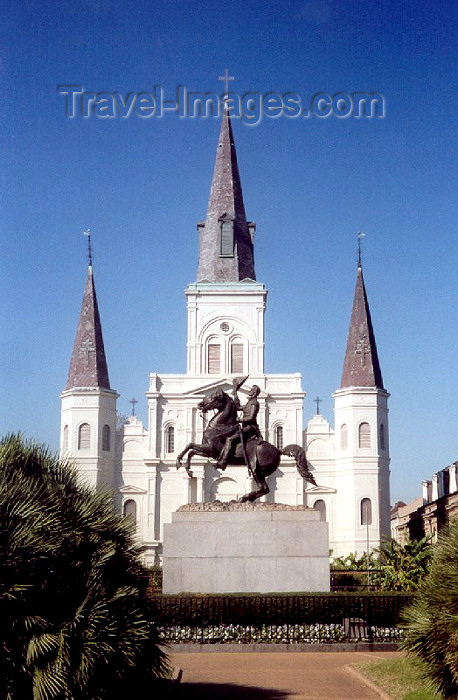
x,y
362,452
88,366
226,237
88,414
361,365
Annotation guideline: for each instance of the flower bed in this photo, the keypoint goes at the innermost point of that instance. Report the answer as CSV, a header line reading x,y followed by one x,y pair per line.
x,y
272,634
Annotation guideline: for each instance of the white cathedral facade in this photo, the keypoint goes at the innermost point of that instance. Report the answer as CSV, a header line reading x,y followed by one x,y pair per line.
x,y
225,317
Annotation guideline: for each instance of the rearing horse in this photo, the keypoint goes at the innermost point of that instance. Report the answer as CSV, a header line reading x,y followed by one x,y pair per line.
x,y
263,458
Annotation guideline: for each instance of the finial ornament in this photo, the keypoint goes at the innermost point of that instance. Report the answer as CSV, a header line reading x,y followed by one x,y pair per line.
x,y
360,236
133,402
88,233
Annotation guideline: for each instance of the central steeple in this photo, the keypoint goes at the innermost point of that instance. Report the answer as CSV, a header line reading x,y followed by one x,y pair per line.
x,y
226,237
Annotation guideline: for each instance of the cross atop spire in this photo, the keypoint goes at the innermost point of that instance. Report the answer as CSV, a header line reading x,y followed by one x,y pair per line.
x,y
226,77
360,235
88,233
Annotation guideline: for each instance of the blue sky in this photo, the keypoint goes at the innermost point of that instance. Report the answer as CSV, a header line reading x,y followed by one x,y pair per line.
x,y
310,184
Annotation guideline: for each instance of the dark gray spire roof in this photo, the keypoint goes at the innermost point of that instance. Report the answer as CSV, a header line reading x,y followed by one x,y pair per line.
x,y
361,364
88,366
234,261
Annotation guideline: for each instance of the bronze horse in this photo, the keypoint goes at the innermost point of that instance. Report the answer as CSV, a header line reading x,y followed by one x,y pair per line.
x,y
262,458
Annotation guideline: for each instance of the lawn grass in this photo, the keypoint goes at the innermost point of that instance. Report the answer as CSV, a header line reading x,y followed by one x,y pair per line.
x,y
401,679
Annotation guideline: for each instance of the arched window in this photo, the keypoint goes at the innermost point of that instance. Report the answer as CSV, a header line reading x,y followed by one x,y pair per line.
x,y
364,435
170,439
214,358
65,439
130,510
382,436
366,511
320,506
279,437
236,358
84,436
343,437
106,438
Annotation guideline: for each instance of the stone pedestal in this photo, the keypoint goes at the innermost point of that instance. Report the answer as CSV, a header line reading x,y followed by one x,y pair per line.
x,y
241,548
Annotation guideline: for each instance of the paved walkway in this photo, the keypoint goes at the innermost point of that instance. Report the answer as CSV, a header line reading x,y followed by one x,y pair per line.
x,y
275,676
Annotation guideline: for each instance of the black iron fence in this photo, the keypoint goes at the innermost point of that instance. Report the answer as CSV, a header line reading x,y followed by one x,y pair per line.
x,y
270,619
356,580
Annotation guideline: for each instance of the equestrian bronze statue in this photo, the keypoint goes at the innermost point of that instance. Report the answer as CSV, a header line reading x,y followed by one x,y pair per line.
x,y
231,441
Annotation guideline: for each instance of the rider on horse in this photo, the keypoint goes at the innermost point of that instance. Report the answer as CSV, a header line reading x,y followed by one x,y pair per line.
x,y
246,428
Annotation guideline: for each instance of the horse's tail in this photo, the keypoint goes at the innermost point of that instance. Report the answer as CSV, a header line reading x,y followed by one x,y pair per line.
x,y
298,453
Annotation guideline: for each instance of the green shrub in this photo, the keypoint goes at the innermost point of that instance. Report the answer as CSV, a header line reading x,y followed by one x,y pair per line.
x,y
432,620
404,566
76,620
382,610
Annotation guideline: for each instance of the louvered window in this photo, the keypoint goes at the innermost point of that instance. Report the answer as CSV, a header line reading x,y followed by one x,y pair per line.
x,y
170,439
366,511
227,239
106,438
214,355
84,436
279,437
236,358
364,435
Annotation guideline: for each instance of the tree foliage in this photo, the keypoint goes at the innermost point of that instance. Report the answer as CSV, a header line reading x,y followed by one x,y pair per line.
x,y
76,621
432,620
392,567
355,562
404,566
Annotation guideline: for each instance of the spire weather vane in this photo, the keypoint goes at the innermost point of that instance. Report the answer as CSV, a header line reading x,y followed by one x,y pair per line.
x,y
88,233
360,235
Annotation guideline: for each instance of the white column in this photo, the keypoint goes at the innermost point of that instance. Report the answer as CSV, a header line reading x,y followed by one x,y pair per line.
x,y
200,489
152,488
152,426
199,473
186,483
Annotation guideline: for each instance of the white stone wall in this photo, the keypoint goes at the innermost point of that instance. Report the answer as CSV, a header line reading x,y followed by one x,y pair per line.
x,y
361,472
226,314
97,408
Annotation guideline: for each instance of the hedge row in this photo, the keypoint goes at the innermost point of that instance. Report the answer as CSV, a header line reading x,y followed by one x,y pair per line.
x,y
381,610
